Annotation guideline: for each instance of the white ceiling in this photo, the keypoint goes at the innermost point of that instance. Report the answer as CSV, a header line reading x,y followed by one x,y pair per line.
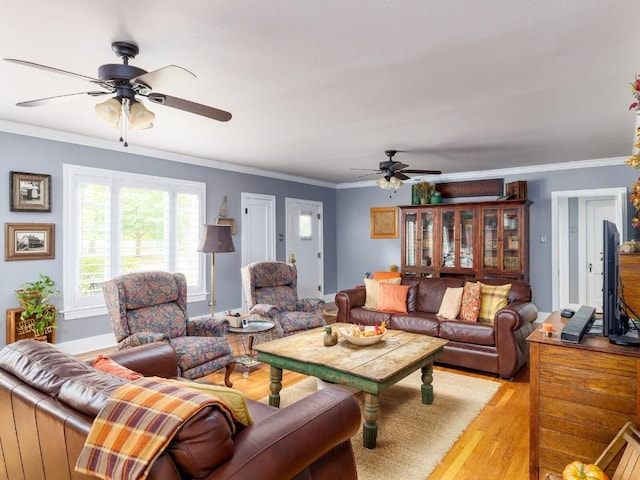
x,y
319,87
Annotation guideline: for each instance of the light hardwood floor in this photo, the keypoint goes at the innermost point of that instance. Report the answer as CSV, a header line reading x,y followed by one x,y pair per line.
x,y
496,444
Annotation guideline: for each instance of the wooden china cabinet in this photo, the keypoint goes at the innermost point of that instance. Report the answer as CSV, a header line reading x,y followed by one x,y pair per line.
x,y
470,240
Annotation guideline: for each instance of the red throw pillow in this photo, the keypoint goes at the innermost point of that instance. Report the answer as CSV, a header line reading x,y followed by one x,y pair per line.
x,y
392,298
107,365
471,302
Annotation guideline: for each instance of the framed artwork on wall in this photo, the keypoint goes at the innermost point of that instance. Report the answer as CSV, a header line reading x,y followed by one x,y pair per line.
x,y
30,192
29,241
384,222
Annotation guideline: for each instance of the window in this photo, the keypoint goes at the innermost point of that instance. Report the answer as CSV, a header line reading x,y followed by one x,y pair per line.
x,y
117,222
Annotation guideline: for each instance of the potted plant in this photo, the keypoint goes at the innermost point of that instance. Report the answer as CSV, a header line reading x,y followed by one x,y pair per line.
x,y
424,191
33,297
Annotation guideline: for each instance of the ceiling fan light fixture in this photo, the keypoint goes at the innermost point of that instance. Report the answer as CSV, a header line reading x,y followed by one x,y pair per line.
x,y
139,117
384,183
395,182
109,111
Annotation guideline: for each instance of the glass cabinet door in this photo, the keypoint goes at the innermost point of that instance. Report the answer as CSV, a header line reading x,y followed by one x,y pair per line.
x,y
410,239
490,239
510,239
428,241
466,238
449,239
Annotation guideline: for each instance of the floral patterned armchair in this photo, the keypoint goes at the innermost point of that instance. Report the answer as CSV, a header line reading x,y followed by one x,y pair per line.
x,y
271,290
152,306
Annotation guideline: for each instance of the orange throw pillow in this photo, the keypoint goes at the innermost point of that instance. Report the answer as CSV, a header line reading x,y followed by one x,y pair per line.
x,y
107,365
392,298
386,275
471,301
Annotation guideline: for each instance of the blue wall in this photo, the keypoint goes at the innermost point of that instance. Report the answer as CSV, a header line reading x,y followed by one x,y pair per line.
x,y
358,253
346,219
28,154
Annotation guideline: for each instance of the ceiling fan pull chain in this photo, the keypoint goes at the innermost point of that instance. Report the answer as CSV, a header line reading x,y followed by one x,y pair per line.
x,y
124,118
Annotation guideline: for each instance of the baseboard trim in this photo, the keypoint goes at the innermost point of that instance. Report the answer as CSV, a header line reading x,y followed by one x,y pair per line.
x,y
88,344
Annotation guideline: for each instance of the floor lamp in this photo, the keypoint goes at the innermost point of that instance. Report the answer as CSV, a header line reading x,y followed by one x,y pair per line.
x,y
215,239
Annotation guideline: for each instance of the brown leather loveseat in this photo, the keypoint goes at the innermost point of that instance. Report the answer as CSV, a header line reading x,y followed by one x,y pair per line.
x,y
49,400
498,348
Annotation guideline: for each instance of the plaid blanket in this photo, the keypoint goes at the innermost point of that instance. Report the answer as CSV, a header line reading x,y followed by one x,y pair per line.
x,y
135,426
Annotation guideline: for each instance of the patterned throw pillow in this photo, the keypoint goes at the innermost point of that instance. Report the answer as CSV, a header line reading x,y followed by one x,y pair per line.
x,y
107,365
373,288
392,298
451,303
470,308
494,297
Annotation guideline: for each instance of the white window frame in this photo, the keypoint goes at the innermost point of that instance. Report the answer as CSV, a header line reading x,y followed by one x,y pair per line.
x,y
72,175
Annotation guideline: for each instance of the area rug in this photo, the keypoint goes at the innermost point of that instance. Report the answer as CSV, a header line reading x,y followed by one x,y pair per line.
x,y
412,438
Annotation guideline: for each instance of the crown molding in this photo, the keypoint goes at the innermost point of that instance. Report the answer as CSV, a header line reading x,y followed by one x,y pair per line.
x,y
477,175
66,137
75,139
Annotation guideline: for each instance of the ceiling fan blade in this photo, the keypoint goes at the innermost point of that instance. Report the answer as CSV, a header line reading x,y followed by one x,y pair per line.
x,y
57,70
401,176
188,106
397,166
425,172
163,77
58,99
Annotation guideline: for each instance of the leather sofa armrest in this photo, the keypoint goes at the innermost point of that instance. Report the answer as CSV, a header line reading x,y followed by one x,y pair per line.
x,y
348,299
515,315
152,359
283,444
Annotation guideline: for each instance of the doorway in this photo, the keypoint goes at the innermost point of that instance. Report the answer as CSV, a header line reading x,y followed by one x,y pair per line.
x,y
576,248
305,246
258,230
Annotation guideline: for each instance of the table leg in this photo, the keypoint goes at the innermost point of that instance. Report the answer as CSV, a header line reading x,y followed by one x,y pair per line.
x,y
275,386
370,427
427,387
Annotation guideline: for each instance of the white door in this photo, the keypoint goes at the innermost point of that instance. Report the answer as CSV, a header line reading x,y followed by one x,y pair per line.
x,y
304,245
593,206
592,212
258,230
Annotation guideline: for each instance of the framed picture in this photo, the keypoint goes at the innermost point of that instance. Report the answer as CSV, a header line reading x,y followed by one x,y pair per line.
x,y
384,222
30,192
228,221
29,241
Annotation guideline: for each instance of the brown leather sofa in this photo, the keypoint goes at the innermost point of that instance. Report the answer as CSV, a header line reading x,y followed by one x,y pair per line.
x,y
500,348
49,400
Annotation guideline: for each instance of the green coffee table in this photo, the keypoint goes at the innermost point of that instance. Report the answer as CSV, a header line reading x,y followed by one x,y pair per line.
x,y
372,369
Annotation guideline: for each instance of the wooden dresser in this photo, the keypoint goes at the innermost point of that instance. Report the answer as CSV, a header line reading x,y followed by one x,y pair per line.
x,y
630,281
581,395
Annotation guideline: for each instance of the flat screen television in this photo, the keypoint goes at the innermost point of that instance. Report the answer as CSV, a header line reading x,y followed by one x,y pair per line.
x,y
614,324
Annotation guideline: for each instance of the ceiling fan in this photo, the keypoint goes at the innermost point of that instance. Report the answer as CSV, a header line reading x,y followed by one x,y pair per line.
x,y
127,83
394,172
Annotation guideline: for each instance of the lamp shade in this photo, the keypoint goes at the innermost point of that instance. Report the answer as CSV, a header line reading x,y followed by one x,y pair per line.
x,y
139,117
109,111
216,239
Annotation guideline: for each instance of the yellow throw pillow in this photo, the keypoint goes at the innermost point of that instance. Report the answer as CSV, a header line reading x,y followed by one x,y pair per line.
x,y
232,398
392,298
372,291
451,302
494,297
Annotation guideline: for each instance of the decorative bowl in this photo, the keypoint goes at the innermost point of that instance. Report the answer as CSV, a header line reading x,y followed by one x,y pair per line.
x,y
362,341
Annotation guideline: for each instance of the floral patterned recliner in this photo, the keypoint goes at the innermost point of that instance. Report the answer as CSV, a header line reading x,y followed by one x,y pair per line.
x,y
271,290
148,307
